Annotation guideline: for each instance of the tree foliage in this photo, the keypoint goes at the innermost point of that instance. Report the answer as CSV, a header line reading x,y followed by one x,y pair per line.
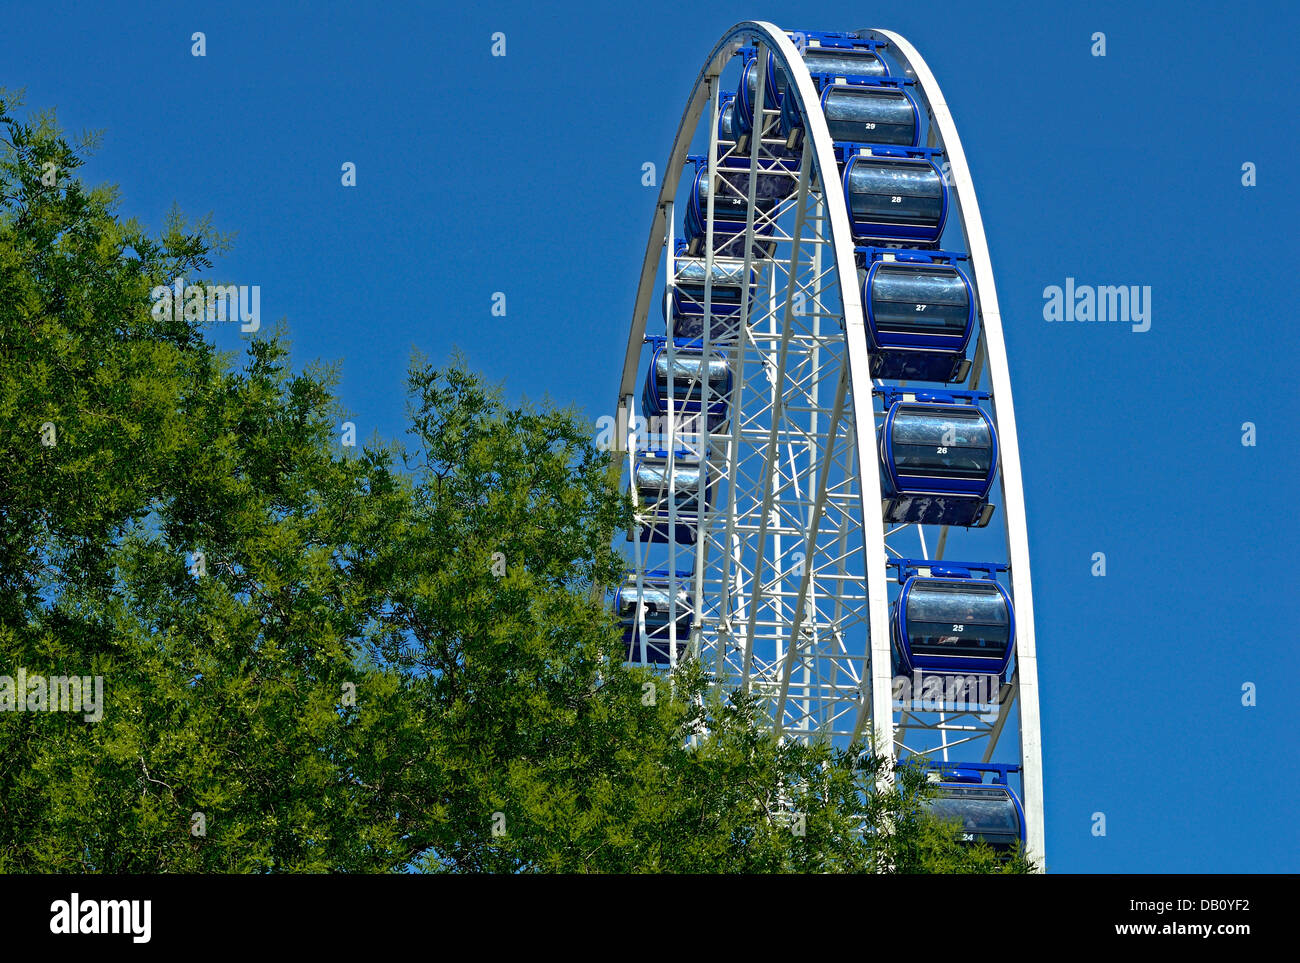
x,y
318,658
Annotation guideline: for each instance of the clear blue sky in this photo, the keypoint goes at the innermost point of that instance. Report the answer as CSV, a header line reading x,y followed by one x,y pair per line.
x,y
522,174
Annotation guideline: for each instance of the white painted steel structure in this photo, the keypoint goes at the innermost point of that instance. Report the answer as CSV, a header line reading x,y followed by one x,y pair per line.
x,y
788,576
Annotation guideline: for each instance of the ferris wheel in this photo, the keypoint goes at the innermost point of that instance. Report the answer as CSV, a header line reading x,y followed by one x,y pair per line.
x,y
816,423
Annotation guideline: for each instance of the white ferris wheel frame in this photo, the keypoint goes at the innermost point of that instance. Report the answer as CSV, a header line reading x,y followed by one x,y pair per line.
x,y
875,707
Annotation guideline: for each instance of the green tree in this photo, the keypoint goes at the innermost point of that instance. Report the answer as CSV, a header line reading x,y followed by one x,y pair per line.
x,y
328,659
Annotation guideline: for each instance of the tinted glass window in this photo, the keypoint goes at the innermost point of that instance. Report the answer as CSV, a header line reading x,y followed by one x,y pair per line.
x,y
686,383
924,301
934,600
873,115
895,193
979,811
843,62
